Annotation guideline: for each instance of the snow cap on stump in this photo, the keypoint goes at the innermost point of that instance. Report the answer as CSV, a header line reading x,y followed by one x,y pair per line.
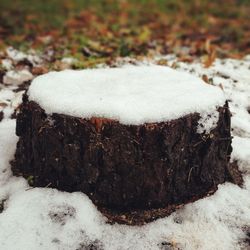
x,y
131,95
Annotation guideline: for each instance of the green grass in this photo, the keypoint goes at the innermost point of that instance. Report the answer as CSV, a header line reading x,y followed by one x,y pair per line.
x,y
123,27
50,14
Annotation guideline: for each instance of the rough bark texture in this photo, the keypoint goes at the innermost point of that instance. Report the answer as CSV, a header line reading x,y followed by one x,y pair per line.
x,y
122,167
1,115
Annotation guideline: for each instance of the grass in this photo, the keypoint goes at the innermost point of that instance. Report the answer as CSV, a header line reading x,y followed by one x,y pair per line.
x,y
110,28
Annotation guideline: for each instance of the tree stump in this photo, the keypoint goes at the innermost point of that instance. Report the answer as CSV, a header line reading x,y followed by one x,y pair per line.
x,y
124,161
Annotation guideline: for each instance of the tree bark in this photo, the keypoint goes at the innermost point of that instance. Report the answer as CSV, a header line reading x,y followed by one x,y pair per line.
x,y
122,167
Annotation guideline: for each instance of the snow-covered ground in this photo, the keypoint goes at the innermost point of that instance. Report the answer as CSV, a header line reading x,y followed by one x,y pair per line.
x,y
44,218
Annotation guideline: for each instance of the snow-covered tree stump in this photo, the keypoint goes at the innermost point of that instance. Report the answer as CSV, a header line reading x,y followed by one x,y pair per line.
x,y
134,138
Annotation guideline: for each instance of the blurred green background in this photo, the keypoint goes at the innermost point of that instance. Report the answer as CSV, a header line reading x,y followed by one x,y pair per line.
x,y
127,27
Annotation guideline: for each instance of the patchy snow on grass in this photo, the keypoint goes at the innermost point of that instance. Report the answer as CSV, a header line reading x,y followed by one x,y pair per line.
x,y
44,218
17,77
131,94
9,101
69,60
7,64
17,56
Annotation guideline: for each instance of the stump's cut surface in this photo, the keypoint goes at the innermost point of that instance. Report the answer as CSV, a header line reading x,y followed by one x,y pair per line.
x,y
122,166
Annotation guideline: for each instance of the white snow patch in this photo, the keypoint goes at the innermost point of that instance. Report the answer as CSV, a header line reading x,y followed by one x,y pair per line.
x,y
15,55
69,60
8,111
132,94
18,56
17,77
9,101
241,153
6,94
7,64
241,149
207,122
